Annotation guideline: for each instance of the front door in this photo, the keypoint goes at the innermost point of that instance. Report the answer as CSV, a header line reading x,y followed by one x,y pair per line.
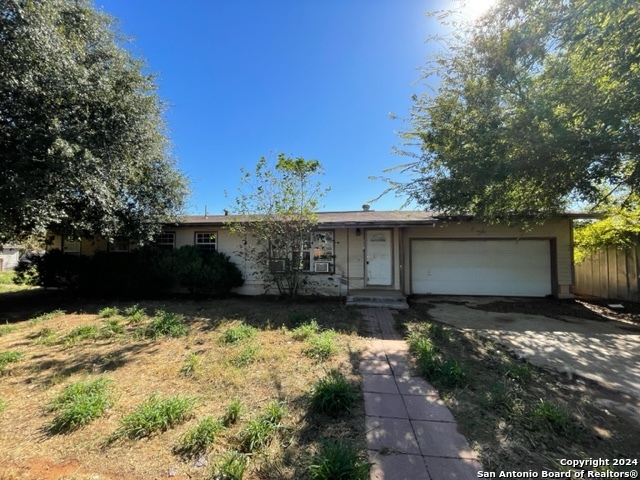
x,y
378,254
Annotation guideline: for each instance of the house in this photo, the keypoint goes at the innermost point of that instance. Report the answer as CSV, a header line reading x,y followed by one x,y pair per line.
x,y
10,256
398,252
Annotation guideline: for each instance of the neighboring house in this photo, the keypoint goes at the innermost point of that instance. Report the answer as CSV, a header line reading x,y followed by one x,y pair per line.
x,y
401,252
10,256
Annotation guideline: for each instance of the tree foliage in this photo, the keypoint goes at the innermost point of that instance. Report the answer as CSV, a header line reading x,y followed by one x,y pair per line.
x,y
538,105
275,214
83,148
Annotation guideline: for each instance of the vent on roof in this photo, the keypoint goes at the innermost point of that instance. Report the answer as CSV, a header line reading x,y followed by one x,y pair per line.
x,y
366,207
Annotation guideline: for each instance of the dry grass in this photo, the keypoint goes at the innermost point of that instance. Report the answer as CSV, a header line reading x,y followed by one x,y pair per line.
x,y
138,367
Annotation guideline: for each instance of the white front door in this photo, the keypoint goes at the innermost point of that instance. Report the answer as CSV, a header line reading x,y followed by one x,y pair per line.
x,y
378,255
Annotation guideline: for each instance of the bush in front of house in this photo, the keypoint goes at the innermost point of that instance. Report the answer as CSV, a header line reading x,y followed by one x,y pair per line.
x,y
147,271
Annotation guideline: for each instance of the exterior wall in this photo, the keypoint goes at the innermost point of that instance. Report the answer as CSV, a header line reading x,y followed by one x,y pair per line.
x,y
88,246
558,230
610,273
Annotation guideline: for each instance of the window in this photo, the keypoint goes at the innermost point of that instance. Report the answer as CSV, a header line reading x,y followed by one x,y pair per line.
x,y
71,245
119,244
317,252
166,240
206,241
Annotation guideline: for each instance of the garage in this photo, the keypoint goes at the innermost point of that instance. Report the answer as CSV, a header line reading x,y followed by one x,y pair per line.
x,y
481,267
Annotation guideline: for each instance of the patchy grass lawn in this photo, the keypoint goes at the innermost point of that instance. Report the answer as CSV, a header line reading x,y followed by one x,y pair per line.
x,y
517,416
188,389
7,285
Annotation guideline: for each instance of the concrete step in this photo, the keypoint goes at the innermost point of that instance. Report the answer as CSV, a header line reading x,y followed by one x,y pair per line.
x,y
391,301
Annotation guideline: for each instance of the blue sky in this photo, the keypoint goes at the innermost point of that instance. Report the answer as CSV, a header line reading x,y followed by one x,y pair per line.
x,y
245,78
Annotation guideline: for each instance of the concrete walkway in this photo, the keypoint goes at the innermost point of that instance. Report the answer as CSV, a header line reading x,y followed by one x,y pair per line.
x,y
411,434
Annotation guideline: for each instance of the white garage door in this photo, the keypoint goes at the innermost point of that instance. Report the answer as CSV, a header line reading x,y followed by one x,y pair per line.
x,y
481,267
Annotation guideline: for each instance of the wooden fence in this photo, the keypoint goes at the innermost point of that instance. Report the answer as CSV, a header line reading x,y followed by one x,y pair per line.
x,y
610,273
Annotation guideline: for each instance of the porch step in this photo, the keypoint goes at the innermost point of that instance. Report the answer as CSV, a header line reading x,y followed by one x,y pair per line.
x,y
387,301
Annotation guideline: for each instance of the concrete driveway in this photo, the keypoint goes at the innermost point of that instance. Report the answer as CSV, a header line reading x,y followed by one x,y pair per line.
x,y
607,352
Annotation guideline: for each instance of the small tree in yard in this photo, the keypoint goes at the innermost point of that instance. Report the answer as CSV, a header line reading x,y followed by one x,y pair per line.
x,y
275,214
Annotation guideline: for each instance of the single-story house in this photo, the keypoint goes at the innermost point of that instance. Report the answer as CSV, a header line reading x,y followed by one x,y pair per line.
x,y
10,256
406,252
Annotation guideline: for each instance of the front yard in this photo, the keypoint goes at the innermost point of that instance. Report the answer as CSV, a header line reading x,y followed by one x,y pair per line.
x,y
182,389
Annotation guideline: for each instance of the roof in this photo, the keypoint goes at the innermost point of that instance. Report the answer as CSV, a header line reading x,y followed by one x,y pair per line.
x,y
358,217
354,218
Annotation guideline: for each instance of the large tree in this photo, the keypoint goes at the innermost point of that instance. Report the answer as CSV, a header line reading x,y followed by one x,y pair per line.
x,y
83,146
276,214
537,106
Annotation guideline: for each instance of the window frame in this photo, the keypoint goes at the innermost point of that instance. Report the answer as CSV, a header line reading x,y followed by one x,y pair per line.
x,y
166,245
71,241
331,261
112,246
202,246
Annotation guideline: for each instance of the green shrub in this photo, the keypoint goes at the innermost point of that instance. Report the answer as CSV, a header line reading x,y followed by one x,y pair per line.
x,y
112,328
555,417
306,330
155,415
199,438
79,404
238,333
233,413
83,332
108,312
247,355
147,271
167,324
191,365
339,461
135,314
321,346
8,357
258,433
230,467
333,394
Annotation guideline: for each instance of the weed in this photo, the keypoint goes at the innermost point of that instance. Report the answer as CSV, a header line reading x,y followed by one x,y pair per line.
x,y
191,365
108,312
8,357
306,330
321,346
46,316
79,404
518,371
81,333
437,332
452,374
155,415
259,432
166,324
112,328
233,413
421,346
3,405
199,438
4,329
449,373
135,314
44,336
238,333
339,461
246,356
497,398
333,394
230,467
556,417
